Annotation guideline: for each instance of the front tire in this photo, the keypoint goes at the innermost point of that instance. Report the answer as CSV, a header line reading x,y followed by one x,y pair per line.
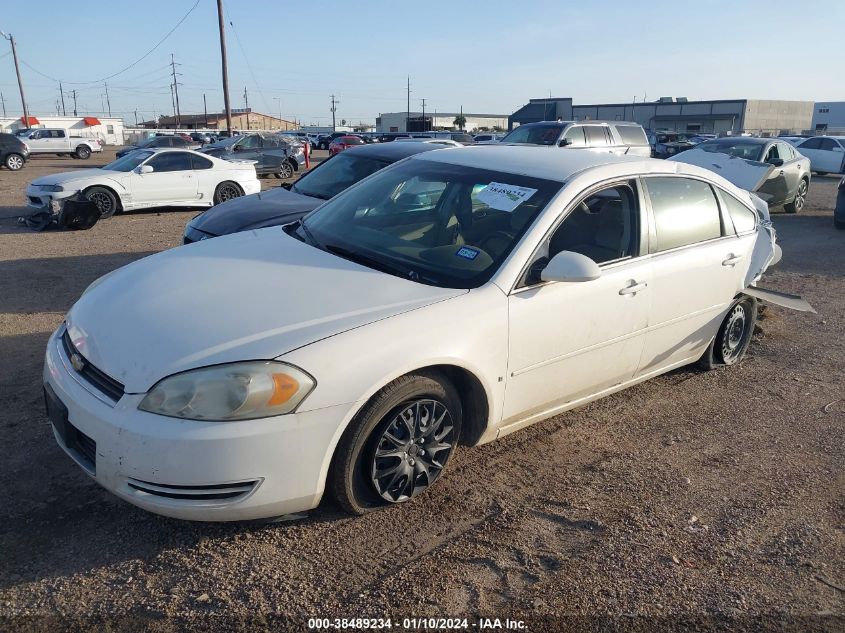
x,y
731,342
398,444
14,162
800,198
83,152
105,200
227,190
285,170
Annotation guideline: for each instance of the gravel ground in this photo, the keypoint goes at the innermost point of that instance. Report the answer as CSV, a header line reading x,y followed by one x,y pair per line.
x,y
712,499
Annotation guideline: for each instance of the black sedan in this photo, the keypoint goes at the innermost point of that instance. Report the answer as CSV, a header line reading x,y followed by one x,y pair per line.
x,y
666,144
272,153
290,202
170,140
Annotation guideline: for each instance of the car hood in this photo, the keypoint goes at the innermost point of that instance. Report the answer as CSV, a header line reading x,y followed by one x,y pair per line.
x,y
82,174
248,296
745,174
256,211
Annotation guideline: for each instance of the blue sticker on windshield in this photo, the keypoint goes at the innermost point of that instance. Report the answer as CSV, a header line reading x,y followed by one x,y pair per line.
x,y
467,253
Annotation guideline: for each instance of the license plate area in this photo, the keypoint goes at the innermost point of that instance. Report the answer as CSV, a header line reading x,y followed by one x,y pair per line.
x,y
82,448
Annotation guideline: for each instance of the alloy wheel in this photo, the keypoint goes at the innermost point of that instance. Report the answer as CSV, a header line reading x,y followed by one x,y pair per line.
x,y
102,200
801,195
228,192
412,450
14,162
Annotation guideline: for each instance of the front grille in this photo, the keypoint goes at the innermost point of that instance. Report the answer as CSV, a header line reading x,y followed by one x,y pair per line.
x,y
35,201
103,382
208,492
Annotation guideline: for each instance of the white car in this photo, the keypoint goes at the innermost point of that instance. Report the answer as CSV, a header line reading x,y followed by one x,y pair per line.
x,y
454,297
826,153
149,178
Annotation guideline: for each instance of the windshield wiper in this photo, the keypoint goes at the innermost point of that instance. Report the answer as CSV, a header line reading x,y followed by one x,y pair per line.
x,y
372,262
310,194
306,236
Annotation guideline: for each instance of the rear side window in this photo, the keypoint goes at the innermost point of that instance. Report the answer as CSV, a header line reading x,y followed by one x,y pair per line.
x,y
595,135
575,136
632,134
744,219
685,212
829,144
198,162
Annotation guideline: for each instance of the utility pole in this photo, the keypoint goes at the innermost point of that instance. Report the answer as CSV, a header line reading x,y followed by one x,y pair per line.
x,y
408,111
205,110
172,102
3,101
225,66
18,73
173,65
58,108
333,110
423,114
136,118
246,107
62,93
108,103
462,119
74,101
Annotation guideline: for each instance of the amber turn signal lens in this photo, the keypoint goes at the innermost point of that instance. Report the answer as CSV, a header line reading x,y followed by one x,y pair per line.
x,y
284,388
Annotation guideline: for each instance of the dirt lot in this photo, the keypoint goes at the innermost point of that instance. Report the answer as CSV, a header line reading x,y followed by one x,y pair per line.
x,y
713,498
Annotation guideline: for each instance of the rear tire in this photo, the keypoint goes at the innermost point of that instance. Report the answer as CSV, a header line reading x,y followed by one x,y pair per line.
x,y
83,152
732,339
227,190
14,162
105,200
398,444
800,198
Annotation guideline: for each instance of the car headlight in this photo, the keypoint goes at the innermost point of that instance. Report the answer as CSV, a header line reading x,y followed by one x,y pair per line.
x,y
52,188
235,391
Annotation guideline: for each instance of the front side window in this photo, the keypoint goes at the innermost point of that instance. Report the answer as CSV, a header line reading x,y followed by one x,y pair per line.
x,y
785,151
171,161
253,141
604,226
575,136
813,143
685,212
534,134
439,224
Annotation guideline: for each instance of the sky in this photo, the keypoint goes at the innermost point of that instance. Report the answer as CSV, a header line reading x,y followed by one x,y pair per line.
x,y
487,56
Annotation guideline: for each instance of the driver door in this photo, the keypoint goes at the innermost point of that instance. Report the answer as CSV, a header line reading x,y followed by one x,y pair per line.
x,y
172,180
569,340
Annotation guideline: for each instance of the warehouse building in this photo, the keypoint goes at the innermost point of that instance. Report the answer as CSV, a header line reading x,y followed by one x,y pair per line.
x,y
107,129
758,116
396,121
242,119
829,117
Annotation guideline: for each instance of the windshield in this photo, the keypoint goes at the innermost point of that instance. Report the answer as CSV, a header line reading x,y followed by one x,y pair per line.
x,y
336,174
225,142
535,134
734,147
440,224
129,162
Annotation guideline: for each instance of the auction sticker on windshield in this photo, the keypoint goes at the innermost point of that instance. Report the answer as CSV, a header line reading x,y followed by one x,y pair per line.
x,y
503,197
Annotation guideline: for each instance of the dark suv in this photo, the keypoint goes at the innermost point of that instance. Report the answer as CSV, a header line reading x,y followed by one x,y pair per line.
x,y
13,152
170,140
272,153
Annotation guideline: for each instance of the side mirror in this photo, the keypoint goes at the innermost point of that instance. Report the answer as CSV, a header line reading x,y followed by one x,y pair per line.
x,y
237,148
145,169
569,266
777,162
564,142
286,185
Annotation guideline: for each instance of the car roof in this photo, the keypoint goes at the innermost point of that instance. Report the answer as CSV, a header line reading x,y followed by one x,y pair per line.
x,y
392,151
759,140
529,160
582,122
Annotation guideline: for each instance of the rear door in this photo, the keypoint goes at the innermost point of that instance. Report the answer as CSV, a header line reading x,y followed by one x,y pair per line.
x,y
822,154
699,266
597,138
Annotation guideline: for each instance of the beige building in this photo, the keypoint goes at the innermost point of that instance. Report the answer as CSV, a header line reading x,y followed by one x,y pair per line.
x,y
241,120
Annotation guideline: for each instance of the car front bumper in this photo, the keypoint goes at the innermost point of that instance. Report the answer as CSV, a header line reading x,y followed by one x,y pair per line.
x,y
204,471
36,198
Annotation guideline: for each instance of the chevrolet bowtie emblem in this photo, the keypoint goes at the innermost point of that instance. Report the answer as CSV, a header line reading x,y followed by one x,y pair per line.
x,y
77,362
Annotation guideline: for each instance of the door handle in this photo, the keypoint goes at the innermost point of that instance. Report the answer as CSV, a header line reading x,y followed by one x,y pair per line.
x,y
633,288
732,260
781,173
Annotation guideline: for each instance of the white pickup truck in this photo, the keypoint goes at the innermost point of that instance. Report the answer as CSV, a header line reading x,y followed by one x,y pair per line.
x,y
58,141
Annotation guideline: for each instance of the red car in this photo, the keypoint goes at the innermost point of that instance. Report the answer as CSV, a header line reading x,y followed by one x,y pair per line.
x,y
344,142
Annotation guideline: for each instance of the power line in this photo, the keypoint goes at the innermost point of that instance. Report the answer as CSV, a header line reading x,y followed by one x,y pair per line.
x,y
133,64
248,65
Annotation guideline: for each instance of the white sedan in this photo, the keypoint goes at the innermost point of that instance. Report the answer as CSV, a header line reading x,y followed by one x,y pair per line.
x,y
148,178
454,297
826,153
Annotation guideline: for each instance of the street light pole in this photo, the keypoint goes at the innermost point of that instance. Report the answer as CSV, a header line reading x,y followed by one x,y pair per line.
x,y
11,39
